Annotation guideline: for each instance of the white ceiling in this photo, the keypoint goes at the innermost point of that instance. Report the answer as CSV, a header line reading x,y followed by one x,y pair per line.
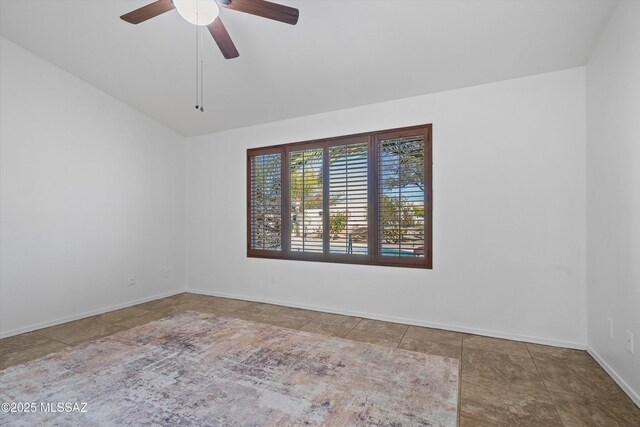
x,y
342,53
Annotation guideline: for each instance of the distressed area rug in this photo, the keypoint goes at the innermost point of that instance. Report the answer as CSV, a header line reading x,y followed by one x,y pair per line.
x,y
202,369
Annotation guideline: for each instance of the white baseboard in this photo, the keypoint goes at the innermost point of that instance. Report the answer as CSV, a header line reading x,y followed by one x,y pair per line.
x,y
613,374
457,328
86,314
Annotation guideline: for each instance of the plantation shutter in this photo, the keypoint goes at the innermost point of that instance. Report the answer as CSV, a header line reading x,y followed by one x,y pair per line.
x,y
306,200
349,198
265,202
401,197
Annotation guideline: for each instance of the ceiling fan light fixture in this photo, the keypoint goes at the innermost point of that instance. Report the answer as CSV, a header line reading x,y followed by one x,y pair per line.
x,y
197,12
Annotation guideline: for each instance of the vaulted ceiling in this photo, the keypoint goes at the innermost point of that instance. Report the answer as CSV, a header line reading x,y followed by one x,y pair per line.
x,y
342,53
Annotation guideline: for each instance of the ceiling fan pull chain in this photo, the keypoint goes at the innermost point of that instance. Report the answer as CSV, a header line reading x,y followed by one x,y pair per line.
x,y
197,60
198,37
201,75
201,85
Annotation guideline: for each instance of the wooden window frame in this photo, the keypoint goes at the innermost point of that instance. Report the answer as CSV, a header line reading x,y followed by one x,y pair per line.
x,y
372,257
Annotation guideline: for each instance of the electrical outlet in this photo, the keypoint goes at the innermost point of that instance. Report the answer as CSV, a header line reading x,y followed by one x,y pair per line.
x,y
629,341
165,274
610,325
273,278
131,279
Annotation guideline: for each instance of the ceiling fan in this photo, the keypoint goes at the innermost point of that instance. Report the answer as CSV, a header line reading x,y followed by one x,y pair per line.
x,y
205,13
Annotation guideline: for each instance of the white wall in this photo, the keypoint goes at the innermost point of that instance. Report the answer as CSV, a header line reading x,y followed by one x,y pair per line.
x,y
90,191
509,214
613,201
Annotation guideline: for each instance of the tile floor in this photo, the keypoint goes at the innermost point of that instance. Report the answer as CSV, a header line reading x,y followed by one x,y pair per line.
x,y
502,382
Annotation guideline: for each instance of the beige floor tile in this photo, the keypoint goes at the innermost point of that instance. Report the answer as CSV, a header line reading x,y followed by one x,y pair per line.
x,y
26,347
294,312
34,350
78,331
181,308
237,314
258,307
507,405
271,309
545,352
21,342
580,411
429,347
226,303
290,322
276,315
378,332
334,325
382,328
337,319
202,308
200,297
578,378
286,322
223,304
339,330
483,367
178,297
434,335
189,297
118,315
479,342
174,309
476,421
374,338
145,318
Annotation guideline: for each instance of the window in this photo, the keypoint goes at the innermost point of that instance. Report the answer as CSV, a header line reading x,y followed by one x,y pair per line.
x,y
362,199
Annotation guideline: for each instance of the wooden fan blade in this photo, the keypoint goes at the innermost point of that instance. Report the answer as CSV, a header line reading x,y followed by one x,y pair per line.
x,y
277,12
222,38
149,11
